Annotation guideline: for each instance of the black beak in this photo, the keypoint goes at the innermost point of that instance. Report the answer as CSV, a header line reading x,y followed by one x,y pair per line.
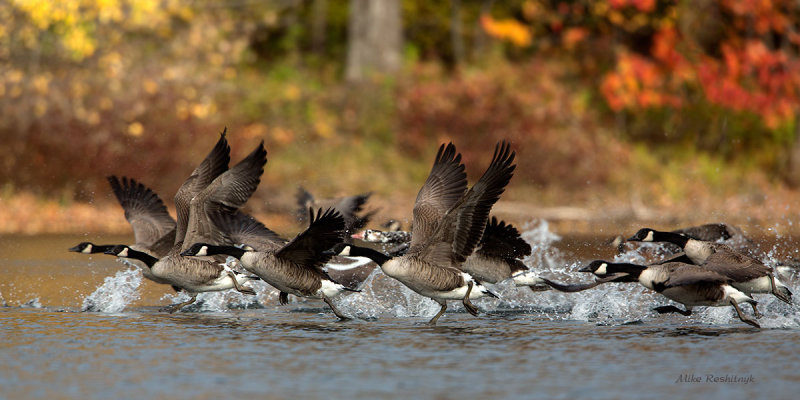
x,y
632,239
75,249
328,253
110,251
586,269
187,253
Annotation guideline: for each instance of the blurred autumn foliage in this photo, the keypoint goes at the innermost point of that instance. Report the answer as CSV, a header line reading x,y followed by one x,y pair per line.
x,y
586,90
739,57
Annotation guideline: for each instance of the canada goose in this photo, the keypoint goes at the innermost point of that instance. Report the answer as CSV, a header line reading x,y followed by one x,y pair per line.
x,y
497,257
153,227
448,222
242,229
732,236
211,188
690,285
716,232
205,276
748,274
598,268
294,268
348,207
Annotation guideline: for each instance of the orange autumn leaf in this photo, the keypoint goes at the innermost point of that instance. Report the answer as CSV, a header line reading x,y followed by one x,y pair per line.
x,y
507,29
573,36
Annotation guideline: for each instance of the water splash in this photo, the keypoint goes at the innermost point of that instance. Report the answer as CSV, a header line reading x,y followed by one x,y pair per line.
x,y
382,296
32,303
115,293
608,304
225,300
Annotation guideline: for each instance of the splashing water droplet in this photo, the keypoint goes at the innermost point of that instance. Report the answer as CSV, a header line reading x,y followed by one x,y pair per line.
x,y
115,293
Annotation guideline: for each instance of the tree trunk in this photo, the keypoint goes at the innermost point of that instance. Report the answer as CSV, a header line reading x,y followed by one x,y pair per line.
x,y
319,25
375,38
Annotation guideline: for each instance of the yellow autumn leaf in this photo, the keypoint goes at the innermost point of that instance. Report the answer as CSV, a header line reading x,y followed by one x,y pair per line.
x,y
135,129
323,129
41,84
291,92
150,86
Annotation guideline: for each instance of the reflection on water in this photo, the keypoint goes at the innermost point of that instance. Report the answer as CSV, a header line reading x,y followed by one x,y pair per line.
x,y
600,343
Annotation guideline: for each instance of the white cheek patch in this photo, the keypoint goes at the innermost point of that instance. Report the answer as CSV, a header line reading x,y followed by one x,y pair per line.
x,y
602,269
649,237
345,251
87,249
123,253
203,251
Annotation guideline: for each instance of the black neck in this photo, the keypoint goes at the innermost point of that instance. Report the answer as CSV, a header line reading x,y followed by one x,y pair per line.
x,y
141,256
671,237
232,251
101,248
633,270
374,255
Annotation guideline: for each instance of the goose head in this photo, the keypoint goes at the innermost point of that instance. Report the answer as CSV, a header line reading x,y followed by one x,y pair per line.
x,y
643,235
83,247
604,269
197,249
119,250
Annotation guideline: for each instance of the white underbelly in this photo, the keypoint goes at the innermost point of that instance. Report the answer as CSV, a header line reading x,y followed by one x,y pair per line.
x,y
455,294
757,285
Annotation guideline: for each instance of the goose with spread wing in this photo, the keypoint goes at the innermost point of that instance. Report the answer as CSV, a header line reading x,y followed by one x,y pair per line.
x,y
153,227
211,189
749,274
295,267
448,223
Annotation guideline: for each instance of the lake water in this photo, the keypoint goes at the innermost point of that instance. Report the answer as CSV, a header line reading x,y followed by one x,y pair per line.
x,y
602,343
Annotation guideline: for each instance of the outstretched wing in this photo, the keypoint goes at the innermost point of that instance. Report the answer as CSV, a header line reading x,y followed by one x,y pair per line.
x,y
215,163
307,249
461,228
240,228
226,194
502,240
478,202
145,211
445,185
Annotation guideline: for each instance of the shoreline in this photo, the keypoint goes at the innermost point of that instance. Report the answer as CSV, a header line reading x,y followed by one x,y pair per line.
x,y
24,214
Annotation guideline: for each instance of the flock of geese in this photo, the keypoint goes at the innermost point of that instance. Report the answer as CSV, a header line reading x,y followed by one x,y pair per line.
x,y
455,246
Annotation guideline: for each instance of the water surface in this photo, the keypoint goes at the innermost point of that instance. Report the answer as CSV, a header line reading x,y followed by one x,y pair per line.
x,y
605,343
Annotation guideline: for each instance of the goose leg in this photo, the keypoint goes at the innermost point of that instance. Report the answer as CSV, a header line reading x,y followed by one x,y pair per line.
x,y
336,312
283,298
755,310
439,314
240,288
468,304
672,309
782,294
175,307
743,317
